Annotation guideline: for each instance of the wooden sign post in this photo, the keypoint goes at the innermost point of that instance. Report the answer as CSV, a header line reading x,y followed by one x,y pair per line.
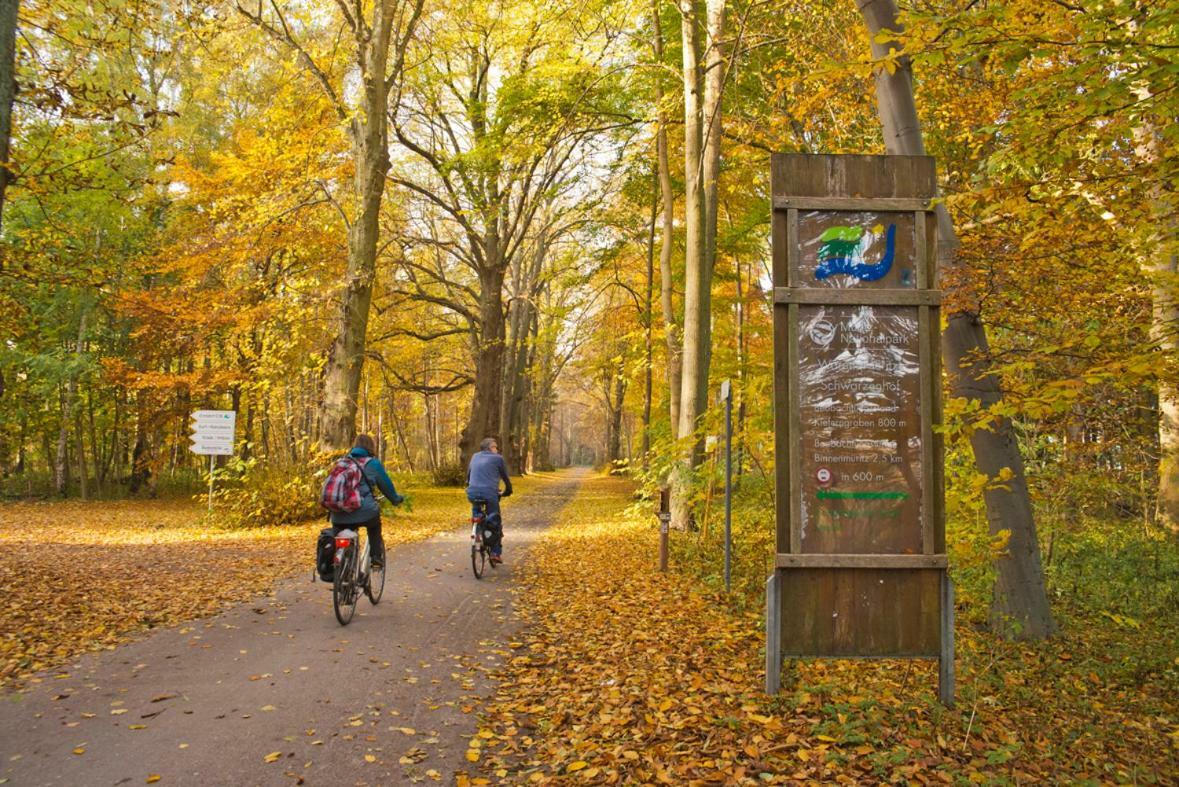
x,y
861,564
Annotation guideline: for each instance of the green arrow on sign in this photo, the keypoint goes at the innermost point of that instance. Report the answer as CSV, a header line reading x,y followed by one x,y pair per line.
x,y
825,494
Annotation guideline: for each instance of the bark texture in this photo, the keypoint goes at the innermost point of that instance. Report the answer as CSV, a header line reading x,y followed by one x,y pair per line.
x,y
1020,607
8,20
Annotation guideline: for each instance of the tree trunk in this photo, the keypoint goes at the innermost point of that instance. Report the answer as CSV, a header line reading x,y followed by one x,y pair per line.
x,y
61,470
489,363
346,359
369,132
8,20
140,475
396,418
712,116
671,321
616,395
694,380
60,465
1020,607
649,324
1161,264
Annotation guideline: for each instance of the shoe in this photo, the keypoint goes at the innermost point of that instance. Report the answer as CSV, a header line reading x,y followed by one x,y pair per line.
x,y
378,565
496,560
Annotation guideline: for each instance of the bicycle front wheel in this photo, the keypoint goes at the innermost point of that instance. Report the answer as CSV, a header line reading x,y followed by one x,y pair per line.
x,y
344,590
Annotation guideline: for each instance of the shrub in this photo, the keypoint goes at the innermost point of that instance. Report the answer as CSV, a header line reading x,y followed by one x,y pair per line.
x,y
256,494
449,474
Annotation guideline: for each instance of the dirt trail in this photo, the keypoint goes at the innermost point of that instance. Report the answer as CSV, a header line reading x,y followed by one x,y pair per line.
x,y
385,700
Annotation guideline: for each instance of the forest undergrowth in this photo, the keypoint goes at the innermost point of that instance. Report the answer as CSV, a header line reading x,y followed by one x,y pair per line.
x,y
624,675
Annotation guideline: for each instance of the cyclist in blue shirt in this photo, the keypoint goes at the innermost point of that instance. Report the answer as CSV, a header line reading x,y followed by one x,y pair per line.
x,y
369,514
484,472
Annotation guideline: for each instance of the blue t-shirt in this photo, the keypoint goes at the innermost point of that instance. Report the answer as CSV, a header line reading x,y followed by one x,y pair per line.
x,y
486,470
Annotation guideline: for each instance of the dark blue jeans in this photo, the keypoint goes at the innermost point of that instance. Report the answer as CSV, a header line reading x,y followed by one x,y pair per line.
x,y
492,500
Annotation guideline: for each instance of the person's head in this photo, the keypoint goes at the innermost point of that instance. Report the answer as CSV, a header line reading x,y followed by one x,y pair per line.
x,y
489,444
366,442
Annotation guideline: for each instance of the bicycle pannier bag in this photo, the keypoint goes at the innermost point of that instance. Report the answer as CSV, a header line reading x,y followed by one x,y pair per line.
x,y
341,490
324,550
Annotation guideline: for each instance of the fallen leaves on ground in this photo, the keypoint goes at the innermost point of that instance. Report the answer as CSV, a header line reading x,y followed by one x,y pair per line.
x,y
626,676
79,576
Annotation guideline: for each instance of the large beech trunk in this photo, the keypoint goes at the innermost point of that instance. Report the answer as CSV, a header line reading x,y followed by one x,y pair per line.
x,y
346,358
696,281
489,362
387,33
702,127
1020,607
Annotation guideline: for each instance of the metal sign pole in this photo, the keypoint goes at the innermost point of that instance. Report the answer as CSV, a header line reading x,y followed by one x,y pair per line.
x,y
664,515
727,396
211,458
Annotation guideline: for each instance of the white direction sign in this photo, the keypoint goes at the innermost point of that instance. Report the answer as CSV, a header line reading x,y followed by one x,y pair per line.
x,y
212,432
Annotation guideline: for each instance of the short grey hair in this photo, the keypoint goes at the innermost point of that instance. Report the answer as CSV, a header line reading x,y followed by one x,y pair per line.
x,y
487,443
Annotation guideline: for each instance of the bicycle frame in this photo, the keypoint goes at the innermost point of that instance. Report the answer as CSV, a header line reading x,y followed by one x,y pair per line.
x,y
478,534
344,540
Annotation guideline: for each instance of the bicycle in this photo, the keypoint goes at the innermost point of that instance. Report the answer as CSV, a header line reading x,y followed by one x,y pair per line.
x,y
480,549
354,572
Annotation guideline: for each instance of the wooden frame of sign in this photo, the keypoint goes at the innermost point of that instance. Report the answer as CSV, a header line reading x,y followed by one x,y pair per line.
x,y
861,565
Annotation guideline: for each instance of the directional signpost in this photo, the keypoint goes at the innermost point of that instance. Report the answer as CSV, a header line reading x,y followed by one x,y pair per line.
x,y
212,436
861,552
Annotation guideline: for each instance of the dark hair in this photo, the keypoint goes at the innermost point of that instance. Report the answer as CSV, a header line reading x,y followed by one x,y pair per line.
x,y
486,444
366,442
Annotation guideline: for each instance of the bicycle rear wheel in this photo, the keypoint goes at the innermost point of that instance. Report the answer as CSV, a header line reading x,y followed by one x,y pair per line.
x,y
376,583
478,559
345,593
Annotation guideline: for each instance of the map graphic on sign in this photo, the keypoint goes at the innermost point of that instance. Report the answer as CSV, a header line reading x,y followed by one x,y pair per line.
x,y
212,432
843,248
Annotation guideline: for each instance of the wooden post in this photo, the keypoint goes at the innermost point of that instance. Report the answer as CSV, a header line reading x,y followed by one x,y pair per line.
x,y
945,665
664,514
773,635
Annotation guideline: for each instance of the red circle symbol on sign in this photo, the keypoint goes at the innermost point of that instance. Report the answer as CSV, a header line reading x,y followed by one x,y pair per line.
x,y
823,476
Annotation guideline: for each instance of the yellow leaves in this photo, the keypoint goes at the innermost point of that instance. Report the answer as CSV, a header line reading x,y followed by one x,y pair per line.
x,y
576,766
472,755
152,778
272,757
80,750
370,758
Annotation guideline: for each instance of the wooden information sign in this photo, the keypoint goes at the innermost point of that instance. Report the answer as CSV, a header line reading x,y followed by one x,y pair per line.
x,y
861,564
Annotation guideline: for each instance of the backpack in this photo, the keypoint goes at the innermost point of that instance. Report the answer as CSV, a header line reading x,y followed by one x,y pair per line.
x,y
341,490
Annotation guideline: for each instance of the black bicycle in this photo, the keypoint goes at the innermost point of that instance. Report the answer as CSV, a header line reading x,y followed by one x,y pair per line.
x,y
354,573
483,538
